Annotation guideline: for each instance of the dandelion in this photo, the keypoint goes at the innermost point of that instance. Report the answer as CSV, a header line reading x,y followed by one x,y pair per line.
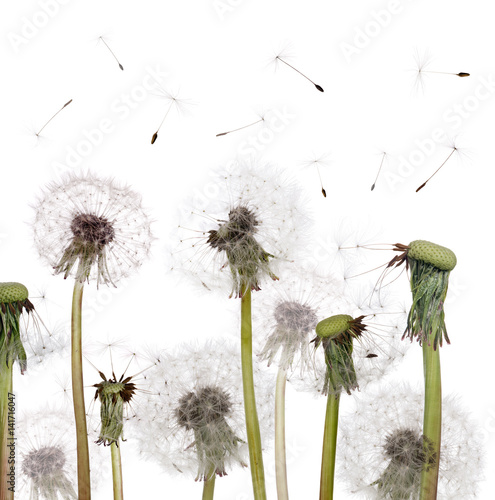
x,y
116,397
289,317
94,230
15,311
253,231
337,335
193,421
430,266
47,464
383,449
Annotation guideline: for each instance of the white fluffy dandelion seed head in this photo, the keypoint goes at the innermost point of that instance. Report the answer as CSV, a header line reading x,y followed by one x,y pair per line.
x,y
193,419
286,315
246,229
47,460
388,423
92,229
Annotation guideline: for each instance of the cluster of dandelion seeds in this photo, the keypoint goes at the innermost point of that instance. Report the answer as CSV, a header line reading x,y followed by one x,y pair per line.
x,y
251,225
193,419
91,228
287,315
383,450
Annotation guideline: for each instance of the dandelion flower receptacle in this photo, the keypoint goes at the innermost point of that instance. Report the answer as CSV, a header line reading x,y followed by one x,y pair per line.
x,y
114,395
430,265
336,334
14,304
93,230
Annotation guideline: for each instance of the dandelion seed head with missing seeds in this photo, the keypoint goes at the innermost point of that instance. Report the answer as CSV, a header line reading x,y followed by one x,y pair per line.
x,y
47,463
289,313
92,229
23,335
193,419
251,226
383,450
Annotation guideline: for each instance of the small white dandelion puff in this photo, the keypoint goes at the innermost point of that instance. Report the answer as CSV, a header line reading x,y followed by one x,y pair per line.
x,y
193,420
91,229
383,450
252,225
288,315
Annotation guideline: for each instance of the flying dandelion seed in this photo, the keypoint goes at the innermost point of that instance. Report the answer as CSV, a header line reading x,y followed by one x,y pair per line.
x,y
455,150
111,52
261,120
43,127
175,102
423,61
317,162
379,170
318,87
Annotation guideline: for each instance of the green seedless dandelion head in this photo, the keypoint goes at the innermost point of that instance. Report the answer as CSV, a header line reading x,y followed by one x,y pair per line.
x,y
430,266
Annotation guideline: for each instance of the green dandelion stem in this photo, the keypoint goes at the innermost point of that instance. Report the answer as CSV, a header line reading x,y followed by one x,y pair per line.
x,y
5,391
252,423
118,489
209,485
329,447
280,455
83,479
432,423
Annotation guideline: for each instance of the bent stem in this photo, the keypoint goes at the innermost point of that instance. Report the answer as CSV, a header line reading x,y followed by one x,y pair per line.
x,y
329,447
118,489
5,394
252,423
280,456
432,422
209,485
83,478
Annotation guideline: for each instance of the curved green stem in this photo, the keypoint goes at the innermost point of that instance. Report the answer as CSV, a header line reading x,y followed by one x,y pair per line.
x,y
83,479
252,423
280,455
329,447
118,489
6,396
432,422
209,485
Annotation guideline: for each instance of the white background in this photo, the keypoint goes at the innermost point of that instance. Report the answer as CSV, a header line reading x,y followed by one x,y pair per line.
x,y
216,55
